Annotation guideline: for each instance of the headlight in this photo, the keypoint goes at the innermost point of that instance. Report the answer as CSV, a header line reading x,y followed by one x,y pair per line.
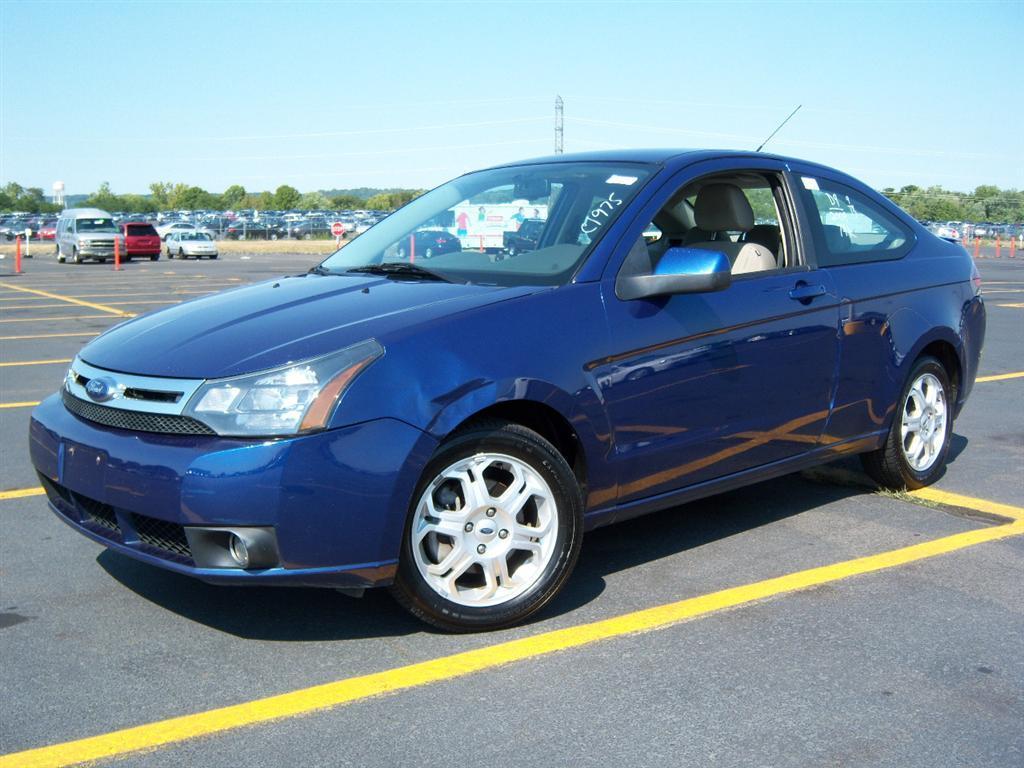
x,y
293,400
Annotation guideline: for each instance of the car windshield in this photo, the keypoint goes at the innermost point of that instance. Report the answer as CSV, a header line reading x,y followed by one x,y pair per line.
x,y
96,225
201,236
466,229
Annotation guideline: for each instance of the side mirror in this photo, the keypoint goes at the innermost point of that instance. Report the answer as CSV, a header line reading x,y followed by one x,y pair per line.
x,y
680,270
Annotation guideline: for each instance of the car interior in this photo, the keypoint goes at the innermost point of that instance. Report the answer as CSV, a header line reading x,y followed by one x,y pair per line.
x,y
738,214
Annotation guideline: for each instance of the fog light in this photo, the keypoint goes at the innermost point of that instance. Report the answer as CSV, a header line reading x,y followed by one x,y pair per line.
x,y
239,551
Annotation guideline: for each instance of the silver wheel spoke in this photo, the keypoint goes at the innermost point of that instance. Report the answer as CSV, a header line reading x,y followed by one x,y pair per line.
x,y
923,426
467,561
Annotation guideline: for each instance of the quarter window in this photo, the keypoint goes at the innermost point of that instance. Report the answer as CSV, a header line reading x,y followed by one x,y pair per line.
x,y
849,228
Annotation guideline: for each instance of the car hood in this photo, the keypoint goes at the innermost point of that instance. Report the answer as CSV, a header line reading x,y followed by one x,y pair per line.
x,y
278,322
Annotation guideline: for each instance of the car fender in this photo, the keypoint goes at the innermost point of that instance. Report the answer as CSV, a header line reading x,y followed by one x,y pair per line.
x,y
910,333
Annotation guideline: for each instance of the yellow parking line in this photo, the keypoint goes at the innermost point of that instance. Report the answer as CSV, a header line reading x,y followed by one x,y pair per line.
x,y
999,377
34,362
49,335
353,689
49,319
68,299
1007,511
21,493
19,405
11,308
1012,306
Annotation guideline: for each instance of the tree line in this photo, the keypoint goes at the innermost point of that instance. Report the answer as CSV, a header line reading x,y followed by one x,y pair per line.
x,y
164,196
986,203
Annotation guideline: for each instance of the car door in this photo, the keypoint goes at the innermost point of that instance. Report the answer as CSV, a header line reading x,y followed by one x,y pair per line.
x,y
701,386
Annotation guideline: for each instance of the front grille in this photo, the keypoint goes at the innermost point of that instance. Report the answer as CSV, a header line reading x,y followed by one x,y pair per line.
x,y
99,244
97,513
167,424
169,537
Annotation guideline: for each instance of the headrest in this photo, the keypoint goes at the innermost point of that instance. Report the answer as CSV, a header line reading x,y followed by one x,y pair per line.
x,y
766,235
723,207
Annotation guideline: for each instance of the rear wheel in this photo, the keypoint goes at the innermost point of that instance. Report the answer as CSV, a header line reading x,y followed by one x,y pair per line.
x,y
154,257
494,531
914,454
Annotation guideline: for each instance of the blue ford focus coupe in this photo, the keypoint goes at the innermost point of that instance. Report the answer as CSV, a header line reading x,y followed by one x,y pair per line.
x,y
450,423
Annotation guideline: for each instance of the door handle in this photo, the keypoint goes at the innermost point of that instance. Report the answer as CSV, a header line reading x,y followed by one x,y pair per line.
x,y
805,293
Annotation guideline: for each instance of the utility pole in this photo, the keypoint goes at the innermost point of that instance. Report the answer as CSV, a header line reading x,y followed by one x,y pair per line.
x,y
559,124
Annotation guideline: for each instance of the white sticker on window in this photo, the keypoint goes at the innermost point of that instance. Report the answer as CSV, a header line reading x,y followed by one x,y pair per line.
x,y
623,180
809,183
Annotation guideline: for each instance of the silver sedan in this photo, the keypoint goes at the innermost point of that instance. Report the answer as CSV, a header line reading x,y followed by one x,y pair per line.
x,y
185,244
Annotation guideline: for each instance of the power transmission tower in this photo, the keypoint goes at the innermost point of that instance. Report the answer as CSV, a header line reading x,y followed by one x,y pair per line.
x,y
559,124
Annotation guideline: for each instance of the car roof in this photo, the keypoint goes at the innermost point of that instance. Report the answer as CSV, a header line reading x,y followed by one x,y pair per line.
x,y
85,213
662,156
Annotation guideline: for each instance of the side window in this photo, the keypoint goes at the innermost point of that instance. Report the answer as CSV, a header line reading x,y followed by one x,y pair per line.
x,y
741,213
849,228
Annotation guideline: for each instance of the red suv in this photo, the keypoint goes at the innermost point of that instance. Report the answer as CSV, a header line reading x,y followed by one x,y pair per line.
x,y
140,240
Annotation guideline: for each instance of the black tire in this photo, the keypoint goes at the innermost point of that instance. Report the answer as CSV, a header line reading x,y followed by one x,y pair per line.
x,y
888,466
169,254
417,597
181,254
75,256
155,257
214,256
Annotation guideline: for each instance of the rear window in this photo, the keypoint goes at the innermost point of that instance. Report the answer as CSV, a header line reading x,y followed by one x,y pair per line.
x,y
850,228
141,229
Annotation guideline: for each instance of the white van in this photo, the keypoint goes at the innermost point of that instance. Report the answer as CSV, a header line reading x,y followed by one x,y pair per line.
x,y
87,233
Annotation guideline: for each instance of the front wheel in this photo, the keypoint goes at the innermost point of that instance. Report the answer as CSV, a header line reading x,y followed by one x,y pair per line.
x,y
494,531
914,453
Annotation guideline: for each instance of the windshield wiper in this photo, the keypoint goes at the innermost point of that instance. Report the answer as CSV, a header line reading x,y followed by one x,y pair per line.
x,y
320,269
400,268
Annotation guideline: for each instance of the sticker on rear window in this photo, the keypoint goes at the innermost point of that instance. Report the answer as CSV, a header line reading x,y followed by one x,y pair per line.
x,y
623,180
809,183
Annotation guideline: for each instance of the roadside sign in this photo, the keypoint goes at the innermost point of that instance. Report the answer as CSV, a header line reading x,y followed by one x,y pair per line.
x,y
337,229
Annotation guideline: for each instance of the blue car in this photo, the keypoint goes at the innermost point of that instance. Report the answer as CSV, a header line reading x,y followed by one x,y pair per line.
x,y
451,426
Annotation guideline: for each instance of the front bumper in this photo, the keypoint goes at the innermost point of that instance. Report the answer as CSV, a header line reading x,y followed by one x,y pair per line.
x,y
336,500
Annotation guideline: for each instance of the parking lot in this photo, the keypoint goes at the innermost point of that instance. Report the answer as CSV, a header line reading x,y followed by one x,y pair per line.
x,y
803,621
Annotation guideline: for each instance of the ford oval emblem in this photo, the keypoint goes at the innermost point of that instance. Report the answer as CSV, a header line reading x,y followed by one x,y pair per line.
x,y
101,390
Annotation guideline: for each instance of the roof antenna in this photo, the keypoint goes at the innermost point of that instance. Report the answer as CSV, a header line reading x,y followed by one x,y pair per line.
x,y
779,128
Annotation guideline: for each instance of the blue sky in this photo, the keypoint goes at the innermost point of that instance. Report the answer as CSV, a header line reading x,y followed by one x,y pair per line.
x,y
332,95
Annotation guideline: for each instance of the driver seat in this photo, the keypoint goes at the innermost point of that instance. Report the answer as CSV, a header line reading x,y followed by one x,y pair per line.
x,y
724,207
